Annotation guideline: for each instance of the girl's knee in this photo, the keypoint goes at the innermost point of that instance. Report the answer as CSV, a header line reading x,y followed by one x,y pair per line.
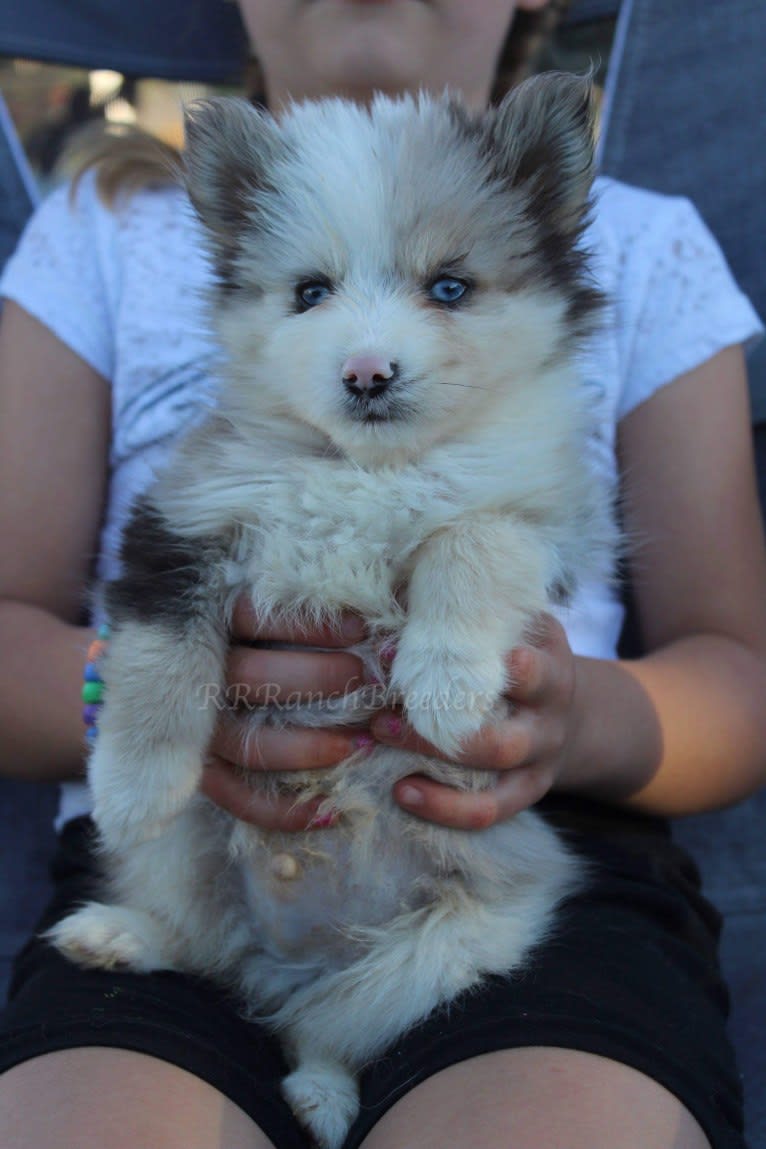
x,y
91,1097
535,1098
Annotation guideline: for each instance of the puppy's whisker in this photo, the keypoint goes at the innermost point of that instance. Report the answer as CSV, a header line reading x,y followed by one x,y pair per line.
x,y
467,386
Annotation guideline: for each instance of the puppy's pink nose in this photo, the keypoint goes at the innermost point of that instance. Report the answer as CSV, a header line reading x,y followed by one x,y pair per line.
x,y
367,374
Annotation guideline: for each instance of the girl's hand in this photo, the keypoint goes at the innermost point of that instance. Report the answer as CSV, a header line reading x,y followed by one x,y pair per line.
x,y
255,676
531,750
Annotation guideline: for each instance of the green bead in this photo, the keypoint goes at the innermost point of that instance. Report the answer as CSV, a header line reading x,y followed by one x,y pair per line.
x,y
92,691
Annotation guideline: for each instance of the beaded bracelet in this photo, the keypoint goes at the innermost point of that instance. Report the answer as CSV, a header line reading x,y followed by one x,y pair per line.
x,y
93,684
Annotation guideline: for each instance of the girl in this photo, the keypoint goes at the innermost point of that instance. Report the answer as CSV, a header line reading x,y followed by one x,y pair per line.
x,y
615,1035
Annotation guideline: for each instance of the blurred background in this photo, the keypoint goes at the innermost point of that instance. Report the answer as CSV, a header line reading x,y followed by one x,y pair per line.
x,y
53,105
54,108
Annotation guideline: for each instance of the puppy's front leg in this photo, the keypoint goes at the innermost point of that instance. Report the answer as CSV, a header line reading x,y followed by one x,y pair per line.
x,y
473,588
157,722
163,673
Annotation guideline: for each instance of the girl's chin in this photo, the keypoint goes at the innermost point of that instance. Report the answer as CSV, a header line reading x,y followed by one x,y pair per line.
x,y
361,45
366,3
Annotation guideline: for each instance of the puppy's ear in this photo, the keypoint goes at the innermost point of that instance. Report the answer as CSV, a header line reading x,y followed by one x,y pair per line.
x,y
542,137
230,147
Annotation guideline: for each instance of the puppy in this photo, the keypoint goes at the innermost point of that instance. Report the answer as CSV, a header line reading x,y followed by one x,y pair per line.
x,y
400,292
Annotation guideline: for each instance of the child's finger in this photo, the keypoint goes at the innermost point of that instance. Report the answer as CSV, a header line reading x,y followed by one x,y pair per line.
x,y
246,627
499,746
287,748
527,675
434,802
257,677
390,728
542,668
224,786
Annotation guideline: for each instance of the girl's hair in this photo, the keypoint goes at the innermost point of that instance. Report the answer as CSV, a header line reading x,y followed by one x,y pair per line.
x,y
130,160
126,160
527,37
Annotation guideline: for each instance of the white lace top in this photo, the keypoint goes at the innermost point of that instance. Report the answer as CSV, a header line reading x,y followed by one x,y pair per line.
x,y
123,288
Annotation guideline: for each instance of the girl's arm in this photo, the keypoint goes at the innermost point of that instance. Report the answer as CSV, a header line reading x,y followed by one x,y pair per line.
x,y
699,577
682,728
54,435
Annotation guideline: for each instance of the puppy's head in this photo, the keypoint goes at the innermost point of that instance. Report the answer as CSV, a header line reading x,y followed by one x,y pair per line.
x,y
392,275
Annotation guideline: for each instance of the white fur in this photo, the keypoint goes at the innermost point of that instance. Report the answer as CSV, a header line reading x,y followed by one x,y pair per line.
x,y
446,530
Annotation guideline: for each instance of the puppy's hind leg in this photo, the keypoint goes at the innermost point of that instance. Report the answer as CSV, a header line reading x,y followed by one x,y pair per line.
x,y
419,961
324,1096
111,937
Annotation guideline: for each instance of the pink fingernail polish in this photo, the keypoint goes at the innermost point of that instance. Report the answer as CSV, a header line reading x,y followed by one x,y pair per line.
x,y
387,652
364,742
323,821
393,726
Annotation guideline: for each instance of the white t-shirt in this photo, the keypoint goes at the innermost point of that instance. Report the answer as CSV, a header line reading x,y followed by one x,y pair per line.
x,y
124,289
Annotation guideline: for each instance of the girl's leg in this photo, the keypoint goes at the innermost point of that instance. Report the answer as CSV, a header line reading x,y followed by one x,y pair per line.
x,y
538,1098
96,1097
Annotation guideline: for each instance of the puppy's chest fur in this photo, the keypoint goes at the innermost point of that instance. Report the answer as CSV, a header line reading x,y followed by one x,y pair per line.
x,y
322,536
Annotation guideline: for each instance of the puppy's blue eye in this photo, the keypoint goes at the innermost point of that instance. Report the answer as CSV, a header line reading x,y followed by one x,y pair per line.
x,y
312,293
447,289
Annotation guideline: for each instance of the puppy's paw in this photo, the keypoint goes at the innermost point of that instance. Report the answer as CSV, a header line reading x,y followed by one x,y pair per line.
x,y
325,1098
447,691
110,937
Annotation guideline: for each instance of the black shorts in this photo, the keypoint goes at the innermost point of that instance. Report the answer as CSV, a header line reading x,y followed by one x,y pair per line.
x,y
631,973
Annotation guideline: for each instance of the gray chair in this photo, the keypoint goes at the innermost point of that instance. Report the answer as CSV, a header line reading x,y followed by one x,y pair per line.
x,y
200,40
685,99
18,193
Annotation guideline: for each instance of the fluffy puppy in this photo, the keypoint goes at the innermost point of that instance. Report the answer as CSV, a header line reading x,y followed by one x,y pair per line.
x,y
400,294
